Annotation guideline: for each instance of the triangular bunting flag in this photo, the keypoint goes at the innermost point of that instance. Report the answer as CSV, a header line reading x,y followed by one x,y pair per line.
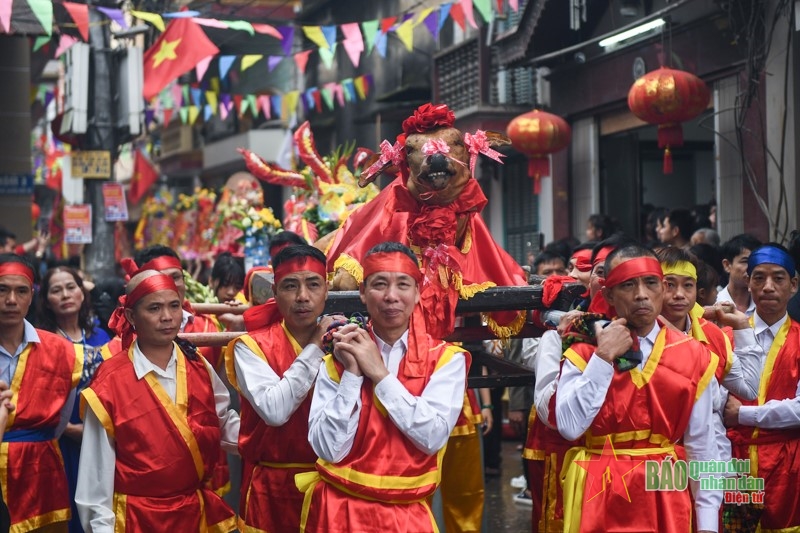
x,y
361,90
194,112
181,14
466,6
315,35
277,104
339,90
240,25
152,18
353,42
79,14
223,111
290,101
301,60
211,98
387,23
167,116
210,23
274,61
185,94
405,32
381,42
514,5
225,64
330,34
349,91
444,12
327,97
432,23
65,43
370,30
317,98
287,34
43,11
251,100
237,103
197,96
177,95
264,105
202,67
266,29
114,14
500,6
484,7
207,112
249,60
327,56
457,13
40,41
422,15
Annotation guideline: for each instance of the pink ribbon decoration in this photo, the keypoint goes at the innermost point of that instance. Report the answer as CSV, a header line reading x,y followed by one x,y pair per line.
x,y
439,259
435,146
390,154
479,144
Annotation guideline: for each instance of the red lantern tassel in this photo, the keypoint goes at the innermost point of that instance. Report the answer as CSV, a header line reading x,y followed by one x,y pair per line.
x,y
670,135
538,167
667,161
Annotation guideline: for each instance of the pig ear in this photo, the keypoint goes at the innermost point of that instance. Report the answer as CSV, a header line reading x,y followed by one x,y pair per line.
x,y
497,139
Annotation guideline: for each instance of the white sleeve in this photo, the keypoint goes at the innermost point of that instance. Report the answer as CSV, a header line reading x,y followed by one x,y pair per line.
x,y
95,491
228,418
745,372
427,420
275,399
775,414
333,420
580,395
548,365
66,413
699,441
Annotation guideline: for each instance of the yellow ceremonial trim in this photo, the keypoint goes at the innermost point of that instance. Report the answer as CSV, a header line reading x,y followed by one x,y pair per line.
x,y
573,357
105,351
533,455
642,377
793,529
729,351
381,482
696,331
244,528
4,467
352,267
330,366
504,332
292,340
379,405
467,246
177,411
636,435
707,375
463,430
434,526
230,366
551,490
89,397
680,268
223,490
36,522
16,382
465,292
77,367
120,504
306,482
286,465
229,524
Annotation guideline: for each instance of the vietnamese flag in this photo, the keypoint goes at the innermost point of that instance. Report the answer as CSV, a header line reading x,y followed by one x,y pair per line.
x,y
179,49
144,176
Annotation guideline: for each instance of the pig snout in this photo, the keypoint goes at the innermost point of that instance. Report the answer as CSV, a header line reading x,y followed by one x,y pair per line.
x,y
437,163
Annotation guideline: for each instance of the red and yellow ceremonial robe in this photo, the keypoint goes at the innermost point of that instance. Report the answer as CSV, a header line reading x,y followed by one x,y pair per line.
x,y
716,339
165,450
462,476
384,482
272,456
545,450
204,324
32,474
645,413
775,453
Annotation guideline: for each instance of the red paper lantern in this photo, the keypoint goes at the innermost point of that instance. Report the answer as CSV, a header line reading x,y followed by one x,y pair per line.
x,y
668,97
537,135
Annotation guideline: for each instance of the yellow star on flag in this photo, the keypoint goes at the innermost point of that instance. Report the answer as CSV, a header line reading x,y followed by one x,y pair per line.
x,y
166,52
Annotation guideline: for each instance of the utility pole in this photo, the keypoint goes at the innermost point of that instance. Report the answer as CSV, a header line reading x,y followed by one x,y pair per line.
x,y
99,255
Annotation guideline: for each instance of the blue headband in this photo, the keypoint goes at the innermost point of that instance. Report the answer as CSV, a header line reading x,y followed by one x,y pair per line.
x,y
773,255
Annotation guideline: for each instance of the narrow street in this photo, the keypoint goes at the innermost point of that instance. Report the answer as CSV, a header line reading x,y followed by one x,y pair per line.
x,y
502,513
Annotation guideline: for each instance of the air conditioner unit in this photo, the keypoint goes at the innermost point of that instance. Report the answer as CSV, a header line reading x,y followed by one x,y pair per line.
x,y
542,87
76,89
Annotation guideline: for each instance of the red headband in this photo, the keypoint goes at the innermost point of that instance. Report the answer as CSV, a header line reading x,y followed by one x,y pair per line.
x,y
163,262
583,260
391,262
638,267
601,255
15,268
118,323
298,264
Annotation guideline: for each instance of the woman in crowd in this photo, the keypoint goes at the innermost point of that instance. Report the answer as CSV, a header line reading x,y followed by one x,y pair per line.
x,y
66,309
